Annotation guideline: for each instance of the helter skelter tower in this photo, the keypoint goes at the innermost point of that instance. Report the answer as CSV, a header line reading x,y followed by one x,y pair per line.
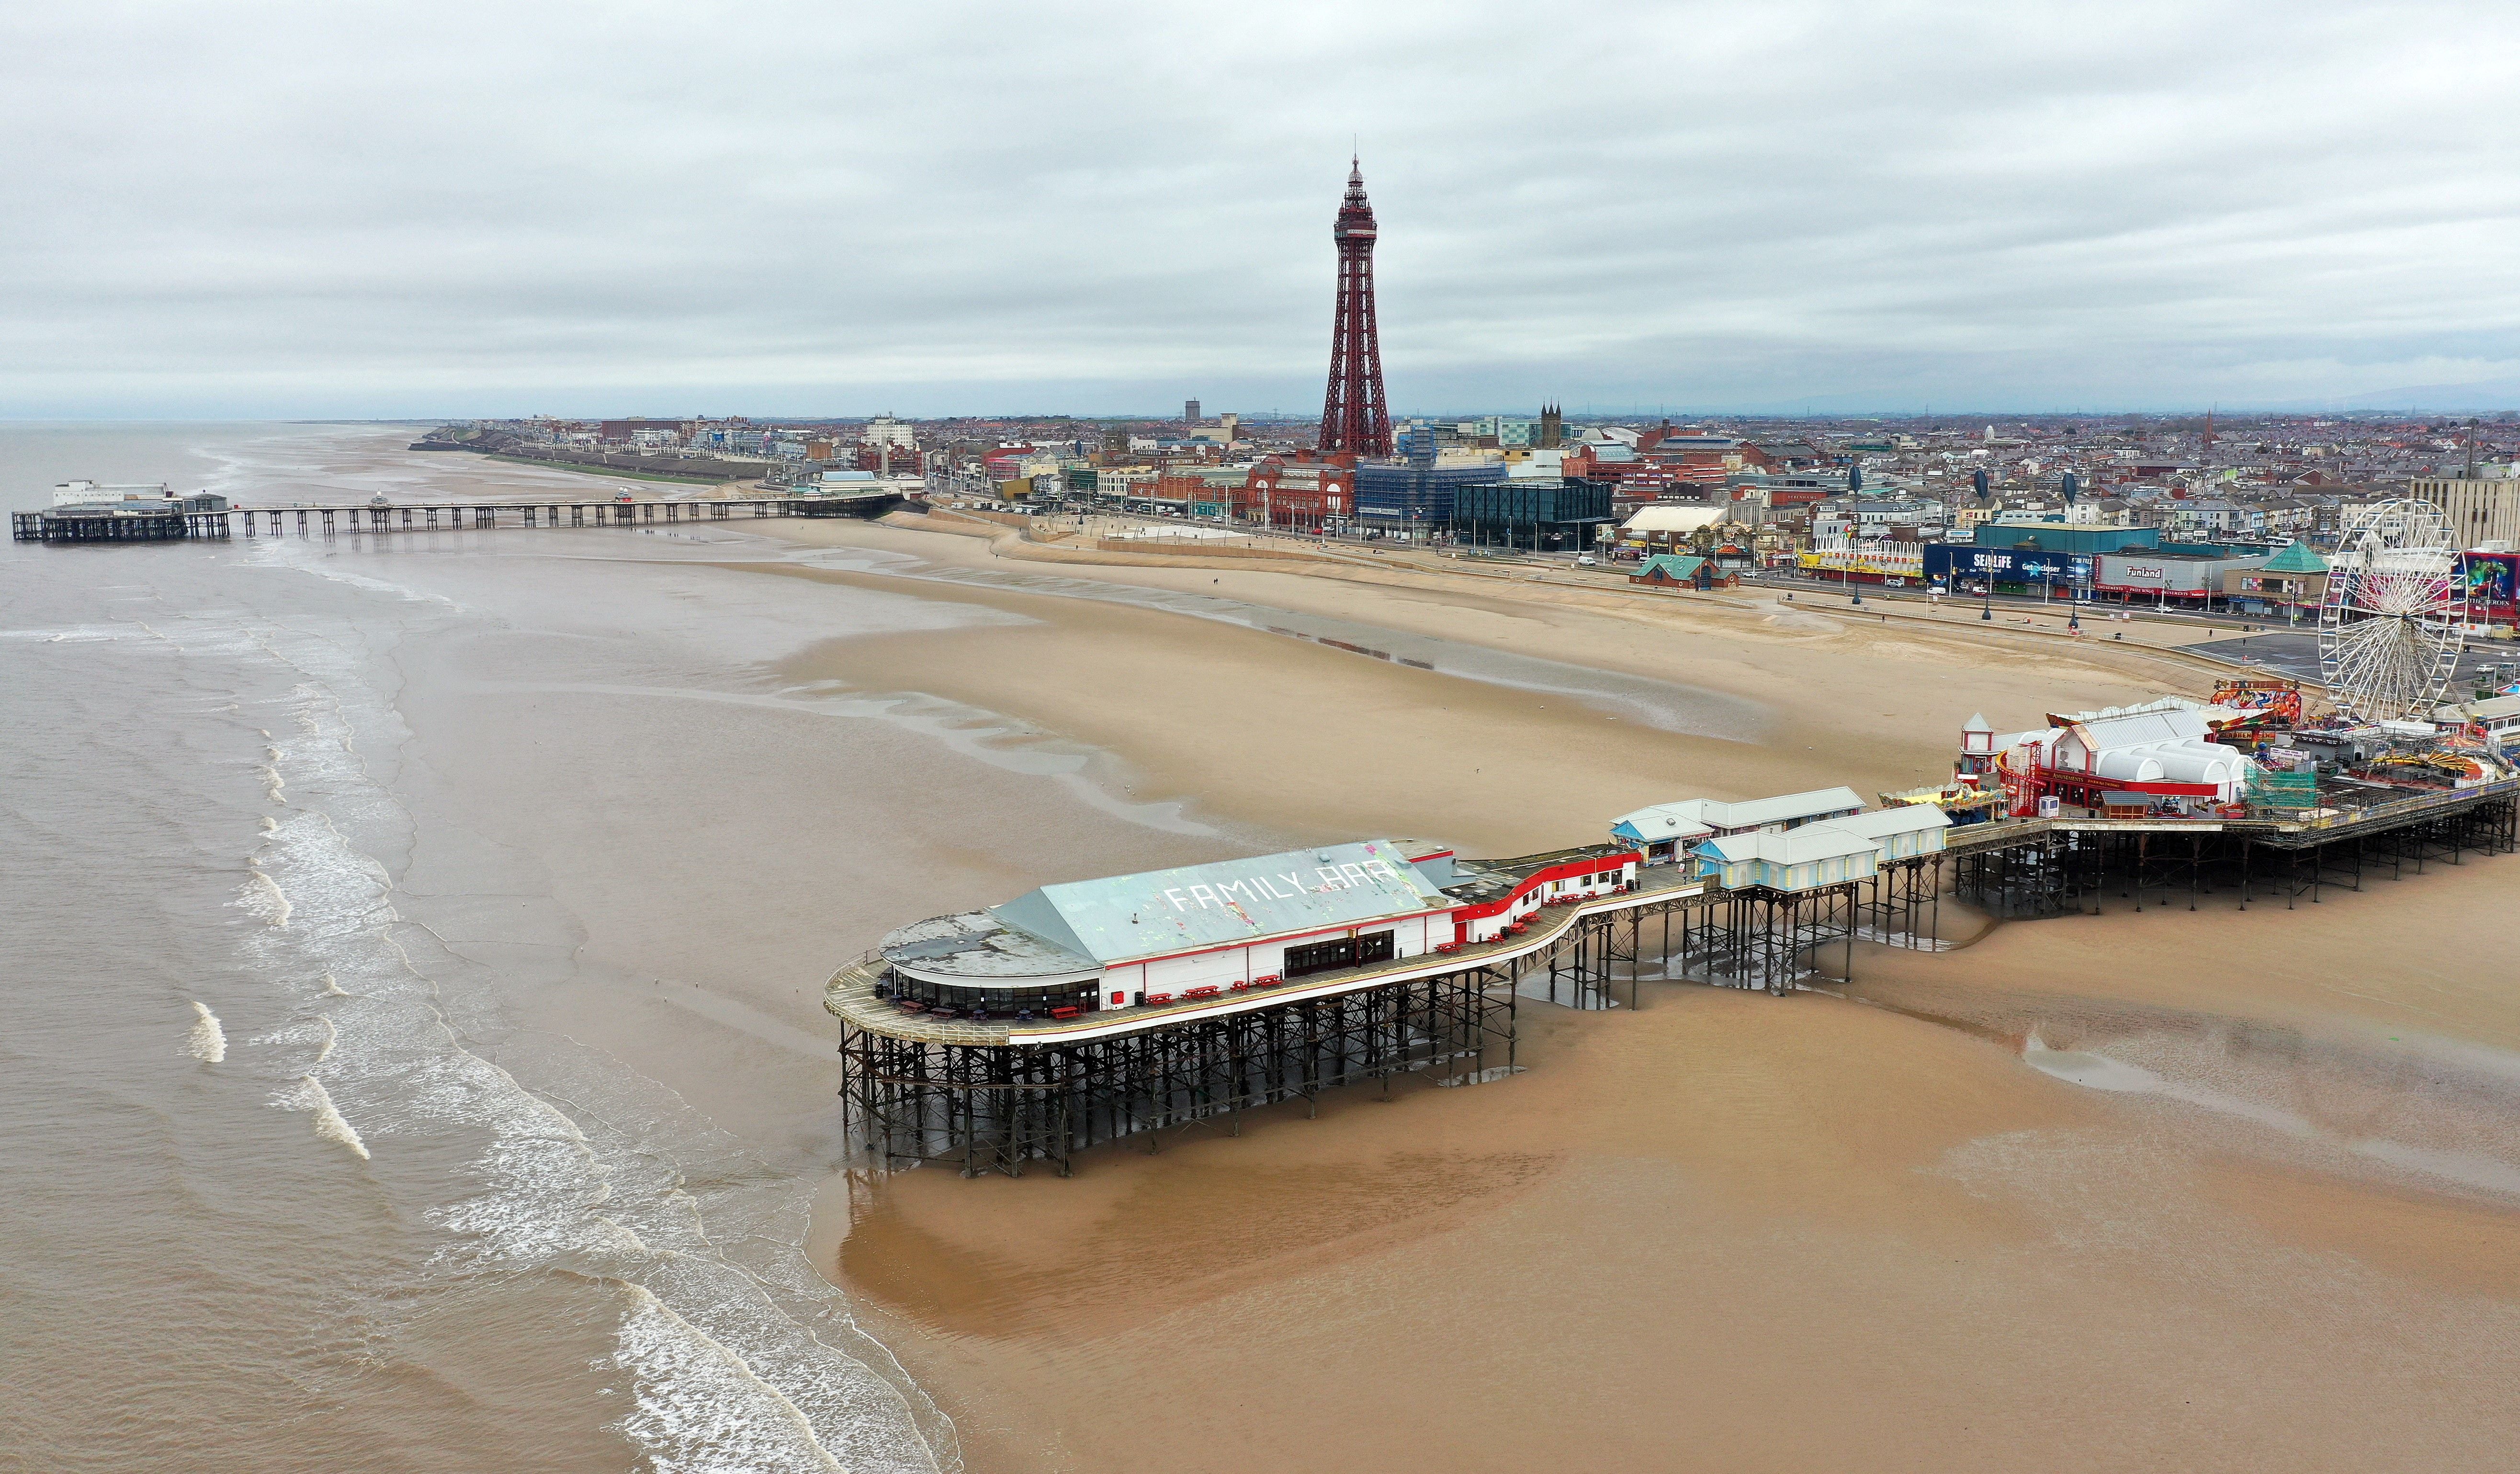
x,y
1354,419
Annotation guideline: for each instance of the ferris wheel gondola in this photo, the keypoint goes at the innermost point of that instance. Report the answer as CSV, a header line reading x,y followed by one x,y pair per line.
x,y
2392,624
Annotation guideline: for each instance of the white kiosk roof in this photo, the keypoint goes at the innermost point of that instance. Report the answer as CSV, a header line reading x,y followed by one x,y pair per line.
x,y
1804,846
1704,816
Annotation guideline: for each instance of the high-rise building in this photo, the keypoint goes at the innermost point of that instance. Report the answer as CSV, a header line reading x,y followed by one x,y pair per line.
x,y
883,429
1356,420
1190,412
2478,512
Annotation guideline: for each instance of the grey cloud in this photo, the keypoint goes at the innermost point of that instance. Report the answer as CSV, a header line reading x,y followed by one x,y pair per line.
x,y
292,209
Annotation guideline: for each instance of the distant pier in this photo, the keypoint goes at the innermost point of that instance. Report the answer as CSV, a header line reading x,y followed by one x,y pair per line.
x,y
149,522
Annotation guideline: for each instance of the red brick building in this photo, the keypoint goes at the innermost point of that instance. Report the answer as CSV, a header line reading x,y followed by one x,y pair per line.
x,y
1302,496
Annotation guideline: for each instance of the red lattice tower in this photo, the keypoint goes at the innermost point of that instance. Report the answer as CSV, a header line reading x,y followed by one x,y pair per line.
x,y
1354,419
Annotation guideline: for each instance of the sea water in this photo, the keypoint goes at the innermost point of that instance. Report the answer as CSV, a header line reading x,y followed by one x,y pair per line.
x,y
412,950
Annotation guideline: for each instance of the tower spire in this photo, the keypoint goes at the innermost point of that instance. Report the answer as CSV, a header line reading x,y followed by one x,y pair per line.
x,y
1355,419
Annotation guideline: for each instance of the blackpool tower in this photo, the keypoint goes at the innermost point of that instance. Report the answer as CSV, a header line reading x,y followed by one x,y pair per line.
x,y
1354,419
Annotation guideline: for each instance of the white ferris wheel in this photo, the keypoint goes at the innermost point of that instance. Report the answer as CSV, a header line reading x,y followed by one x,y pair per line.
x,y
2392,626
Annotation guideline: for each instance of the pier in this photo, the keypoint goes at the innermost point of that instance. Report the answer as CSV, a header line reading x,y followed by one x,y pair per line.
x,y
992,1095
146,523
2034,867
985,1096
141,522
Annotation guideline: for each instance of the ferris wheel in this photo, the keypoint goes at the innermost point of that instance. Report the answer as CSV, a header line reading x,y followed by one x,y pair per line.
x,y
2391,627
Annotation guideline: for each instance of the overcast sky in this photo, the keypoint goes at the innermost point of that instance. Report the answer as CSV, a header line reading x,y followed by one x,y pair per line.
x,y
328,210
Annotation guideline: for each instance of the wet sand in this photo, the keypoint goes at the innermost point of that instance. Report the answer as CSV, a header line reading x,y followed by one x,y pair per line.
x,y
1724,1231
1721,1232
1318,741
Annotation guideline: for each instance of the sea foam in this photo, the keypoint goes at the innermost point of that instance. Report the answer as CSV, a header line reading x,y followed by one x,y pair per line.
x,y
206,1041
699,1406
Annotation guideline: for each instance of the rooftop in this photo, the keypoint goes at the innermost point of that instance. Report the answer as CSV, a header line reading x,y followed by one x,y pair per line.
x,y
1682,566
1670,517
1802,846
1751,814
974,944
850,993
1881,823
1477,881
1661,822
2296,558
1190,907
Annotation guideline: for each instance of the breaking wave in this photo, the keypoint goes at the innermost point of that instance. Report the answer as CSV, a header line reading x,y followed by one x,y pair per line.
x,y
264,897
310,1094
206,1041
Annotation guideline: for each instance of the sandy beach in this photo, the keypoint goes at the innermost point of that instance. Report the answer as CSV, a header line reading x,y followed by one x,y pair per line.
x,y
531,849
1251,724
1901,1229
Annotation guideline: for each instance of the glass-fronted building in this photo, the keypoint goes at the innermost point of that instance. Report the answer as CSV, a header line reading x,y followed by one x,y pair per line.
x,y
1543,514
1401,494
